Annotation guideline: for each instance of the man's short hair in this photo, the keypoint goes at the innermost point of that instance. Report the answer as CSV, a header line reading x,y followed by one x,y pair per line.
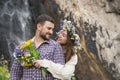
x,y
42,18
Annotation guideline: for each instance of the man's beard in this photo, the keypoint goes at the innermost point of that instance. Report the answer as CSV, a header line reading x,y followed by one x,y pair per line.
x,y
44,37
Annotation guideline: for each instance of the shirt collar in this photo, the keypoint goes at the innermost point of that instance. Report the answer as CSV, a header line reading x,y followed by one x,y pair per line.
x,y
46,41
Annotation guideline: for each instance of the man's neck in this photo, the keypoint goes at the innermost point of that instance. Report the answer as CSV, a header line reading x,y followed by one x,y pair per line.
x,y
38,41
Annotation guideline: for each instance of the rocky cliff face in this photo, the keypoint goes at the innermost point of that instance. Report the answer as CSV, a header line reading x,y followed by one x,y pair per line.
x,y
99,22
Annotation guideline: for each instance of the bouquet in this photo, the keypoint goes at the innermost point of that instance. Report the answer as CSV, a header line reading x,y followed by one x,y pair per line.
x,y
26,54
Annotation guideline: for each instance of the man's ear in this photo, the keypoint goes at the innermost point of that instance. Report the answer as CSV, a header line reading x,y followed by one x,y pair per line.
x,y
39,26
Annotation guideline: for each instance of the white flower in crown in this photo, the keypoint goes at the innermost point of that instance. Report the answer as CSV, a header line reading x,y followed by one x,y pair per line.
x,y
67,25
75,48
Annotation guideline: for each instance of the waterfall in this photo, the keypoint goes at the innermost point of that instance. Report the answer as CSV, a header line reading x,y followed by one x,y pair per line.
x,y
15,26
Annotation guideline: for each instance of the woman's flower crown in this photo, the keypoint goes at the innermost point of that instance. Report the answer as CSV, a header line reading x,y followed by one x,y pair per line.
x,y
67,25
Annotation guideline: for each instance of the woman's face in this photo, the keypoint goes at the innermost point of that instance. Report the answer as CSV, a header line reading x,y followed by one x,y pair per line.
x,y
62,37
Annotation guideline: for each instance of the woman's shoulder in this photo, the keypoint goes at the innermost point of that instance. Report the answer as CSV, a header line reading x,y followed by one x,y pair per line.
x,y
73,60
74,56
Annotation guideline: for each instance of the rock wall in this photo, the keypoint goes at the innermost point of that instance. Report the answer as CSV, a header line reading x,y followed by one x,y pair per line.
x,y
99,21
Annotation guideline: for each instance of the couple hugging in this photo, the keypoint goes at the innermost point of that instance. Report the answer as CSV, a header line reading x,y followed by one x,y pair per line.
x,y
42,58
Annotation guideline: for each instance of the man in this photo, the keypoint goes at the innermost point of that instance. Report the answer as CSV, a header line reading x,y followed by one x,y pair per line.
x,y
48,48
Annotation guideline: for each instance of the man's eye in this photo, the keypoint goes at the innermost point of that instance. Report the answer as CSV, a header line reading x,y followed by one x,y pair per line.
x,y
49,28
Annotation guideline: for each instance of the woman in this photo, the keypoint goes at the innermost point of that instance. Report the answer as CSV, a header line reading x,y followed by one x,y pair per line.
x,y
69,41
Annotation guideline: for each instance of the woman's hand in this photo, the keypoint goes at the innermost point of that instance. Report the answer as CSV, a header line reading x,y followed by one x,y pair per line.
x,y
37,63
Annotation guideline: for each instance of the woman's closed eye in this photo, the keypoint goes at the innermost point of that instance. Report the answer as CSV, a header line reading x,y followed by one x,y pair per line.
x,y
64,34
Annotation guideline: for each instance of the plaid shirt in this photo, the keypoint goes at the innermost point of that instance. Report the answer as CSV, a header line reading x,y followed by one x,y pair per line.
x,y
50,50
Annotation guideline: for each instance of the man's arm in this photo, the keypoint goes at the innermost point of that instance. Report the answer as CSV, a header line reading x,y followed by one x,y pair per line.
x,y
16,71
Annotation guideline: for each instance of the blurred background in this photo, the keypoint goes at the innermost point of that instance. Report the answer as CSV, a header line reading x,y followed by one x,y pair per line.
x,y
97,22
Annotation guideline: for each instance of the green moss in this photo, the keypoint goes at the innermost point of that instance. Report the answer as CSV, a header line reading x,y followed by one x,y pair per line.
x,y
4,73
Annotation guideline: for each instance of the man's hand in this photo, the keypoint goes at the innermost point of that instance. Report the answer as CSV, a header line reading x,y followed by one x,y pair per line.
x,y
37,63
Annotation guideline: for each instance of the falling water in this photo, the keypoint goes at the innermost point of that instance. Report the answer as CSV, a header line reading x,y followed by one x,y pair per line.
x,y
14,25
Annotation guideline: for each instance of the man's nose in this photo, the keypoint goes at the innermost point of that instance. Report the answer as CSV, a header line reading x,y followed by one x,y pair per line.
x,y
51,31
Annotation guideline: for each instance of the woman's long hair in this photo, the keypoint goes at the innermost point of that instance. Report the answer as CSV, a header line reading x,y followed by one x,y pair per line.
x,y
69,48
